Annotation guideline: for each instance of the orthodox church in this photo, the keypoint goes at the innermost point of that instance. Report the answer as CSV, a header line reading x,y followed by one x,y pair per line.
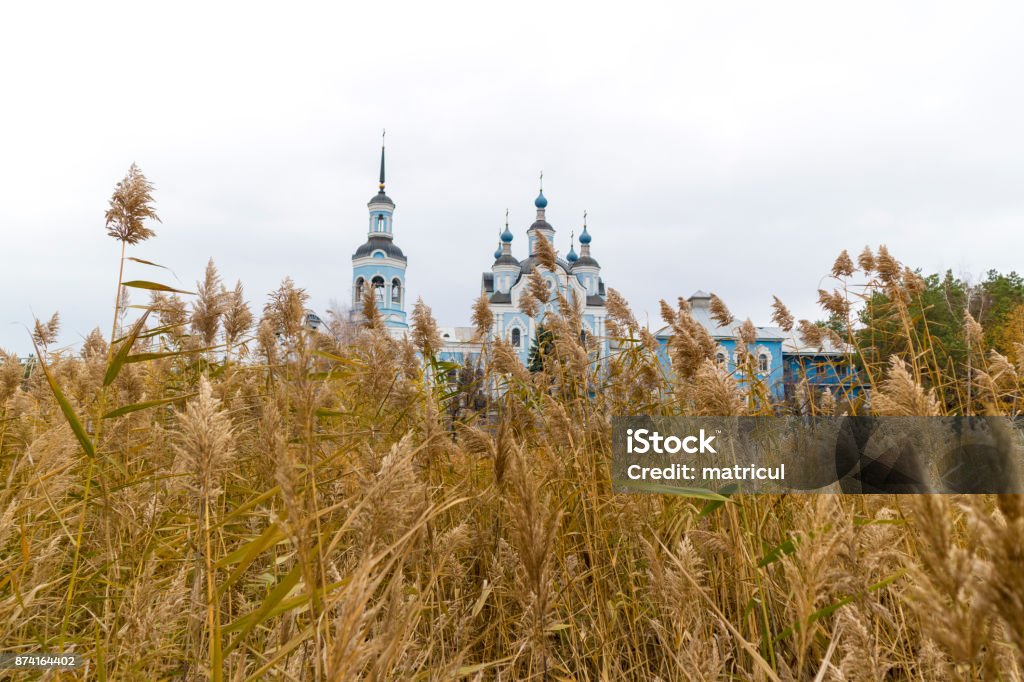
x,y
576,276
381,264
782,359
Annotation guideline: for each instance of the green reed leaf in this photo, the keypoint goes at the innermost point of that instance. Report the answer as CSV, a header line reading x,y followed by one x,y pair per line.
x,y
135,407
117,362
65,407
154,286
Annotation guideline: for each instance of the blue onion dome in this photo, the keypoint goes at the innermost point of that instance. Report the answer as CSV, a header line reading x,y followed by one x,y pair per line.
x,y
541,201
571,256
585,236
497,253
506,236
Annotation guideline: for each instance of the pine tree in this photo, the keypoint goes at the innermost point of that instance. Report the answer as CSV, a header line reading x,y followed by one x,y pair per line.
x,y
543,345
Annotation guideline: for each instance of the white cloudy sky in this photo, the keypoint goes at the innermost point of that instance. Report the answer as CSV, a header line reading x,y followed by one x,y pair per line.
x,y
734,147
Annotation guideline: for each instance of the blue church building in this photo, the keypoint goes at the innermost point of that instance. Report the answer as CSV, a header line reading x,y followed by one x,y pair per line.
x,y
781,360
576,276
379,263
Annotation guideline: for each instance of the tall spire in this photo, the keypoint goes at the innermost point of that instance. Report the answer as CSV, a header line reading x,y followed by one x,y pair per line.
x,y
382,134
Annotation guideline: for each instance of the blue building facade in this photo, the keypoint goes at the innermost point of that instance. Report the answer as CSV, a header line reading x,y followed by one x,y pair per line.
x,y
781,360
768,352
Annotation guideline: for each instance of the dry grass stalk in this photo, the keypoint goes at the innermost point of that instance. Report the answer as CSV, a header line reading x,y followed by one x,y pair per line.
x,y
425,334
901,396
483,318
130,207
781,315
720,312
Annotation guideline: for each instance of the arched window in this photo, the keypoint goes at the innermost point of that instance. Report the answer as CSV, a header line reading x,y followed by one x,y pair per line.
x,y
378,289
517,337
762,362
380,222
583,336
360,282
396,291
720,359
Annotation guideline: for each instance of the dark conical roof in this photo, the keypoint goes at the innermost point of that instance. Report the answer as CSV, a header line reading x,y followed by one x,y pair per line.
x,y
384,244
506,259
381,198
584,261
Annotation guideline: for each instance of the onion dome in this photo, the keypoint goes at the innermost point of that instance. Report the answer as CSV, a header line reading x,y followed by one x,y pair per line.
x,y
506,236
571,256
541,201
585,259
497,253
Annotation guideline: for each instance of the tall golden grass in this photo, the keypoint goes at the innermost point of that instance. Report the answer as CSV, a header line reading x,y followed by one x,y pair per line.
x,y
207,495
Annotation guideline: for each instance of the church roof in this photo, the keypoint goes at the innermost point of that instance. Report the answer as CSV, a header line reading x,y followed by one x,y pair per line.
x,y
541,225
506,259
457,334
586,260
381,198
794,346
372,244
700,309
526,266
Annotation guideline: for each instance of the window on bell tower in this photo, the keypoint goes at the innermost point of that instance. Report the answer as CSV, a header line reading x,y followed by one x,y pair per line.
x,y
359,291
380,222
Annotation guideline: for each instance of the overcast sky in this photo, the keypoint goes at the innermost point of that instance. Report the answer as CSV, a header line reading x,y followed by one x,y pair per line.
x,y
731,147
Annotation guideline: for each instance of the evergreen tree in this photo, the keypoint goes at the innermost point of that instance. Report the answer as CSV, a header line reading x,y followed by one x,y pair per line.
x,y
994,304
543,345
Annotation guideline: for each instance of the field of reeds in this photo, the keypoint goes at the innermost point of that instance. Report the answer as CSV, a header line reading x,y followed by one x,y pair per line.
x,y
209,492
